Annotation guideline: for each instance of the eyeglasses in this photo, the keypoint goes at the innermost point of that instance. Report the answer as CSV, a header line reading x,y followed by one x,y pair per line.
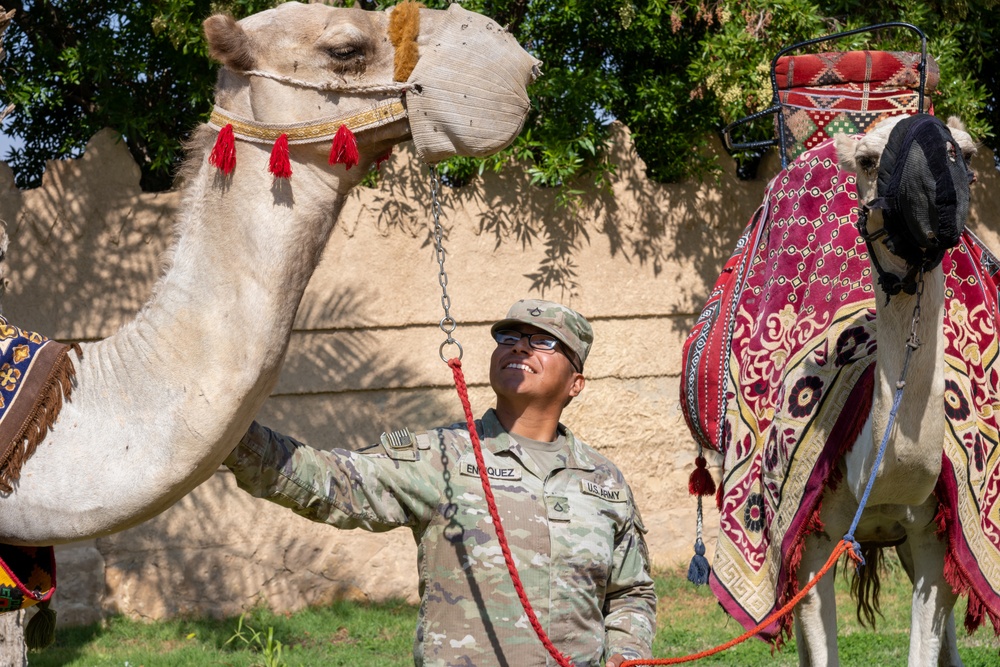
x,y
538,341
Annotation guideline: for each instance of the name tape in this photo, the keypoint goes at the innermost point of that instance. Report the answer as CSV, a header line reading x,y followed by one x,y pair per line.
x,y
611,495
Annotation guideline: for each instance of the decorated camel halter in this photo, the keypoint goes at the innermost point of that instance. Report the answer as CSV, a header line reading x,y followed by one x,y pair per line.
x,y
403,30
340,131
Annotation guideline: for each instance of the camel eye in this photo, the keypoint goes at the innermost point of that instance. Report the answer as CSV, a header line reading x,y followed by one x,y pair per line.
x,y
867,163
344,53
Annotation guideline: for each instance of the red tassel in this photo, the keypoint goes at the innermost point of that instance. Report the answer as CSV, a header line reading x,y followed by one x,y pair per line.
x,y
701,482
223,153
345,148
382,158
280,165
718,497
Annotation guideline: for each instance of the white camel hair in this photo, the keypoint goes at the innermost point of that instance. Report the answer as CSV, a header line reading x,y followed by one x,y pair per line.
x,y
902,504
158,405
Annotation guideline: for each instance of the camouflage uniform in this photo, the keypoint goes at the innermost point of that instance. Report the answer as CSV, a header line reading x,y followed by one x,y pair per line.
x,y
576,538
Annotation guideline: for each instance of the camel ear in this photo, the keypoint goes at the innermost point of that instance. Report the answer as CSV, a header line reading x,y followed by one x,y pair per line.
x,y
955,123
846,147
228,43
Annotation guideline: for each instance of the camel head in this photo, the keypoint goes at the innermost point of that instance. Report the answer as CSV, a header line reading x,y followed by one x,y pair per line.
x,y
452,80
914,171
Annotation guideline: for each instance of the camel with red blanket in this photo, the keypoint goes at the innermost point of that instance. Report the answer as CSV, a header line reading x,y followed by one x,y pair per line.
x,y
784,357
907,231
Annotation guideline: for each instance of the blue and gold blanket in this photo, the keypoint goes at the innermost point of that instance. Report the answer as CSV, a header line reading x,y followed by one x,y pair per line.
x,y
36,375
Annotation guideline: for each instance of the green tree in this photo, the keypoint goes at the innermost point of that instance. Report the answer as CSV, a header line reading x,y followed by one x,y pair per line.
x,y
77,66
673,71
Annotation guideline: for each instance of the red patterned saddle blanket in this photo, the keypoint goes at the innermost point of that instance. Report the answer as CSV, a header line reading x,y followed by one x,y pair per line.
x,y
777,376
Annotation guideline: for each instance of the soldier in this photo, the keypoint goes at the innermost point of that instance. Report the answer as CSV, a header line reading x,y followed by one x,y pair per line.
x,y
571,522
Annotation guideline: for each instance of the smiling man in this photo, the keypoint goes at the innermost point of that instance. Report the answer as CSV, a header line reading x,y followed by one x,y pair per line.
x,y
570,519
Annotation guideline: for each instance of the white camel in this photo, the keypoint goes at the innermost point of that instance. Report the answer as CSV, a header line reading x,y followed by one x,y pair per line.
x,y
902,504
159,405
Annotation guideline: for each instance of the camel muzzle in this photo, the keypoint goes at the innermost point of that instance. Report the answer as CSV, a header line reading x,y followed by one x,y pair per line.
x,y
468,92
923,186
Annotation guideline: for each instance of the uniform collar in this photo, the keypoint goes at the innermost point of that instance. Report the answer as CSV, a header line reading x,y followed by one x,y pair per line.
x,y
501,441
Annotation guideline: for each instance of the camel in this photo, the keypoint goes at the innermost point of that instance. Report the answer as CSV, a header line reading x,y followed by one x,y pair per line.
x,y
157,406
902,505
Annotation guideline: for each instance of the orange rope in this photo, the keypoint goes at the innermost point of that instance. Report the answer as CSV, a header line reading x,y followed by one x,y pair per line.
x,y
843,546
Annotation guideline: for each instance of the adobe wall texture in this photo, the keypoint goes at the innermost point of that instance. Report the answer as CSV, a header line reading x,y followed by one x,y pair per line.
x,y
638,259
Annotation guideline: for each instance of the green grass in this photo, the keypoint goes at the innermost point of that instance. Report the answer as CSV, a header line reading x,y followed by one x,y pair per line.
x,y
690,620
340,634
380,635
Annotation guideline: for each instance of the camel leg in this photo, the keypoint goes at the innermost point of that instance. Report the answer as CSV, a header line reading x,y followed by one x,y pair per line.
x,y
948,654
816,614
932,622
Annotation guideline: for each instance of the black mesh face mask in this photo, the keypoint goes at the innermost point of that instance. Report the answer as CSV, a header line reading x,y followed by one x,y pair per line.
x,y
923,191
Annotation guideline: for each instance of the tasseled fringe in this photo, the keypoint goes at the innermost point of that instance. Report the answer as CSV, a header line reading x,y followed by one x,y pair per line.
x,y
41,629
719,495
57,387
701,483
223,153
345,148
976,612
281,165
404,27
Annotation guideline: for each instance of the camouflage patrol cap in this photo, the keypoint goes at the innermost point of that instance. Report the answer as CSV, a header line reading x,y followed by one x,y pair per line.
x,y
569,326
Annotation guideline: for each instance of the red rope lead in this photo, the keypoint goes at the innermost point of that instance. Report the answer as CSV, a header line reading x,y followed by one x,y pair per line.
x,y
463,393
563,661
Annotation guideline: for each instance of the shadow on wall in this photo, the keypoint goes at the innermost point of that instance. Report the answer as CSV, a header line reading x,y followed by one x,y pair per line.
x,y
86,245
651,226
344,387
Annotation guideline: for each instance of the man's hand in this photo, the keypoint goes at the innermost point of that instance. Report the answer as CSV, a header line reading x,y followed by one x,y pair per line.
x,y
615,661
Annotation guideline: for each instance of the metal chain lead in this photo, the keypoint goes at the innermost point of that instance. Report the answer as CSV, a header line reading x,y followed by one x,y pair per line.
x,y
448,323
913,342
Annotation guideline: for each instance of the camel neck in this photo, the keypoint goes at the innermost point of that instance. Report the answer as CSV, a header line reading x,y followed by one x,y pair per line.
x,y
908,462
216,329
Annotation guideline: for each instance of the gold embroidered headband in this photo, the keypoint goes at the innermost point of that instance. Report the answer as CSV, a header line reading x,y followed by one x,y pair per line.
x,y
344,149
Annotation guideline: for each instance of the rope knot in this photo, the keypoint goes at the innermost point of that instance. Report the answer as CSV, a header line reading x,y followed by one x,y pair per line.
x,y
854,550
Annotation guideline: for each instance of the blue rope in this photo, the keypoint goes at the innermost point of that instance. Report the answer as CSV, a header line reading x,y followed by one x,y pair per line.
x,y
849,537
912,344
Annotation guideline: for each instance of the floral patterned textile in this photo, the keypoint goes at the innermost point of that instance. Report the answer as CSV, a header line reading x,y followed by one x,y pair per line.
x,y
778,376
